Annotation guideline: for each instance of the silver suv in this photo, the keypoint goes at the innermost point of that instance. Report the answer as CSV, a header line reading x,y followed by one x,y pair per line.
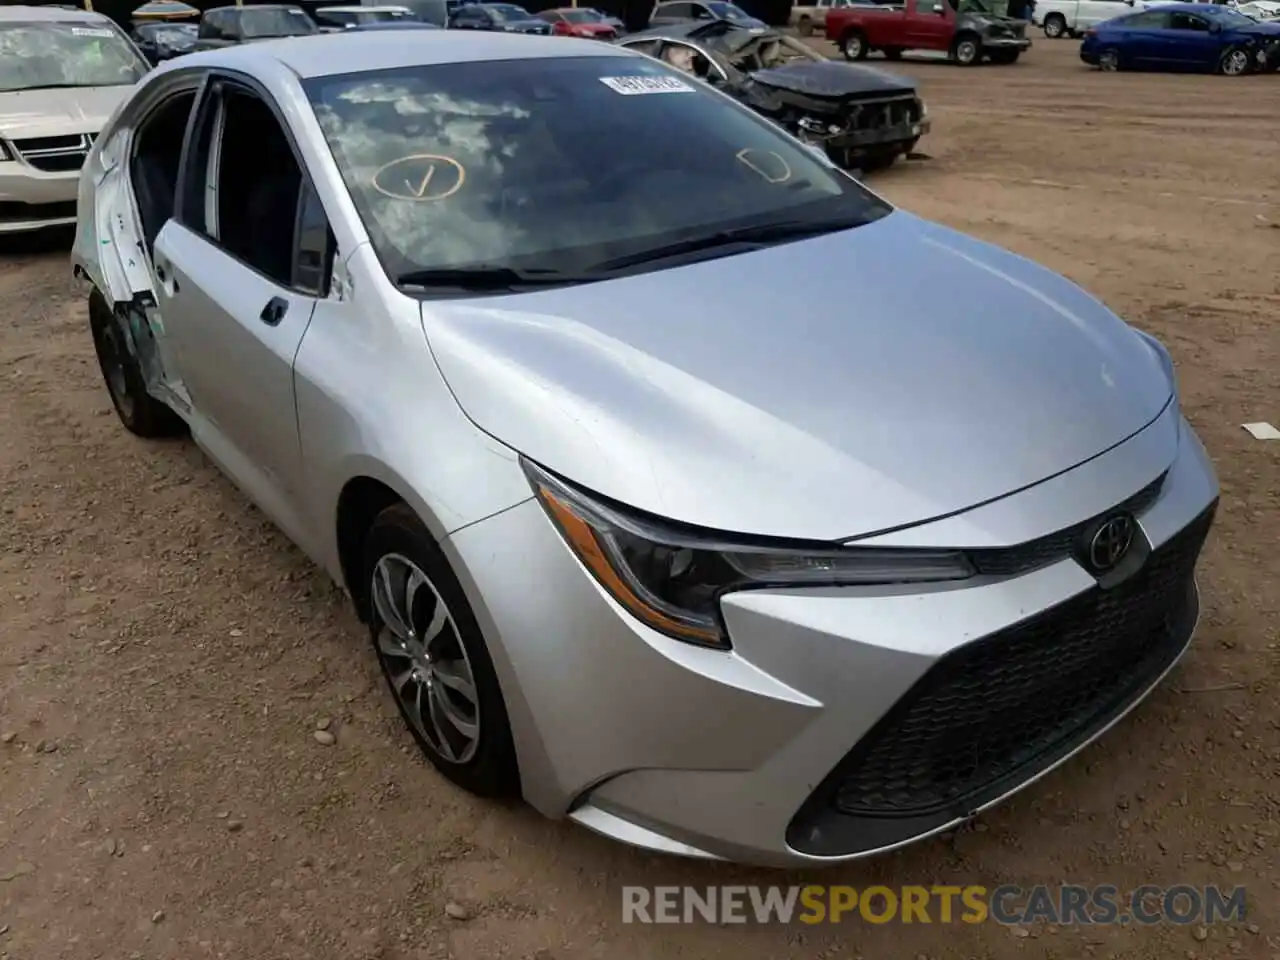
x,y
62,73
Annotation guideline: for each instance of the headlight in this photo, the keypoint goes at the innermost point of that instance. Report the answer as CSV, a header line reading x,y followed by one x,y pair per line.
x,y
672,578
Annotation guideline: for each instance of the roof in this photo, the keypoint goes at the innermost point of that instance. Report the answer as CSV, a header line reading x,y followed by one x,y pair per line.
x,y
49,14
350,51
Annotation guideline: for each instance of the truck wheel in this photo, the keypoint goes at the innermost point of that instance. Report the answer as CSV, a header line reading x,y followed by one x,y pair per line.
x,y
1055,26
1236,62
854,45
967,50
893,53
805,27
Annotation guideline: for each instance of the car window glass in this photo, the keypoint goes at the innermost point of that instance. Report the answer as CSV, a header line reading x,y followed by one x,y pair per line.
x,y
275,22
683,11
56,53
1148,20
644,46
1185,21
493,162
928,6
249,182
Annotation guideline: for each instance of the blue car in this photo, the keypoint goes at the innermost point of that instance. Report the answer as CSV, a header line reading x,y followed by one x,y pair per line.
x,y
1183,36
507,17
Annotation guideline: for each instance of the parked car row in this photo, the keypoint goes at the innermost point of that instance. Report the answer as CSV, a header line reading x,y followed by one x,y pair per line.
x,y
1184,36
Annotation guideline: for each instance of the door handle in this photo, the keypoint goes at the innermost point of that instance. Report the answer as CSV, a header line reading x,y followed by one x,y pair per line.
x,y
274,311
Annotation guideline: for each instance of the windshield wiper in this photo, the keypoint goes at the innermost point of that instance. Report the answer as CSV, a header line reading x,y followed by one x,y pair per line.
x,y
745,238
485,277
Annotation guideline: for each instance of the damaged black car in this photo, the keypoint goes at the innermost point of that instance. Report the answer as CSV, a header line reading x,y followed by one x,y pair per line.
x,y
863,118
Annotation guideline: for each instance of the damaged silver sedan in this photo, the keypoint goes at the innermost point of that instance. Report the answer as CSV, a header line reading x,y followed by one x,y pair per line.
x,y
503,331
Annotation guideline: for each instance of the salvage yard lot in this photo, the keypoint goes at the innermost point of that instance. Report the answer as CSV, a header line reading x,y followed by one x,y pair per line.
x,y
166,655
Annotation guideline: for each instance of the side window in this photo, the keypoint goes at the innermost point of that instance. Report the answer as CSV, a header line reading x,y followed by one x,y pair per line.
x,y
702,13
209,28
1185,21
682,11
928,6
245,190
1149,20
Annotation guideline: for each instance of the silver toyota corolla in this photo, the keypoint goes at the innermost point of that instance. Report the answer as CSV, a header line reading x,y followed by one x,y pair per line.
x,y
688,489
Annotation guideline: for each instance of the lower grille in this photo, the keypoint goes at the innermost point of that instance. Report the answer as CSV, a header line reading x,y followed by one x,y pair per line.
x,y
13,212
995,711
879,114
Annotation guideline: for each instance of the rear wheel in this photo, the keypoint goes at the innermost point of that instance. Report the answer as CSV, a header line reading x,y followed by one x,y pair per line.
x,y
1235,62
967,50
854,45
1055,26
1109,60
141,413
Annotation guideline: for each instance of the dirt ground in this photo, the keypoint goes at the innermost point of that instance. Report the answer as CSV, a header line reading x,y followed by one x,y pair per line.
x,y
166,655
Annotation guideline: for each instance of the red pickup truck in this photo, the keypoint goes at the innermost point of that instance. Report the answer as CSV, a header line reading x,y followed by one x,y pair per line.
x,y
962,28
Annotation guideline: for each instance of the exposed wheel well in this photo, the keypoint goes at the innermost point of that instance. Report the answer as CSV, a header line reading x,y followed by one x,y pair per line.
x,y
360,502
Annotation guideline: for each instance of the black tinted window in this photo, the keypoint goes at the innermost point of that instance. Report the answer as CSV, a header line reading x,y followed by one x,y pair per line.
x,y
683,11
571,160
1185,21
1150,20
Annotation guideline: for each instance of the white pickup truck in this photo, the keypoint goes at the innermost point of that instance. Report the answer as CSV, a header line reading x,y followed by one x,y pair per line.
x,y
1069,18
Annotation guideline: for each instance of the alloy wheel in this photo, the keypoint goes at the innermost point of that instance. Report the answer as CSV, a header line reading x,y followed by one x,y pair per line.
x,y
967,52
1235,63
424,659
111,357
853,48
1054,27
1109,61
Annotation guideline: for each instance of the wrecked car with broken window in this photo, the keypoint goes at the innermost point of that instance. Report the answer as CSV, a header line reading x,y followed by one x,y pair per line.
x,y
863,118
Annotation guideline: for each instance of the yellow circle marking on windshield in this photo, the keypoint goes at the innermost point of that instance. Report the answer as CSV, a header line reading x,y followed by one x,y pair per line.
x,y
420,177
746,154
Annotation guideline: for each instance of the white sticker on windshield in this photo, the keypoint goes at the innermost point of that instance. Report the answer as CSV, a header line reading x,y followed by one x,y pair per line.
x,y
633,86
91,32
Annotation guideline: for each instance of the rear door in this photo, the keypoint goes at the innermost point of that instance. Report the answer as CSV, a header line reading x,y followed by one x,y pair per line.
x,y
1143,38
237,288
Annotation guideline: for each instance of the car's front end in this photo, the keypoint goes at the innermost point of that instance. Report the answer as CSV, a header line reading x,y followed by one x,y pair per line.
x,y
825,689
59,82
764,580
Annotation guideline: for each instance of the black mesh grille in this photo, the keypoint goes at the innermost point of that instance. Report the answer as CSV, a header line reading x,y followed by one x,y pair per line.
x,y
1025,557
13,212
992,709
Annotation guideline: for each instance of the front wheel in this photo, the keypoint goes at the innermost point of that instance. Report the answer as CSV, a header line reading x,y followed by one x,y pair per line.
x,y
434,657
1055,26
1235,62
966,51
1109,60
854,46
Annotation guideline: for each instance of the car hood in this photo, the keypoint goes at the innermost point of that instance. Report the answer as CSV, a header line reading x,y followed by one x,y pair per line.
x,y
1263,28
825,389
48,113
828,78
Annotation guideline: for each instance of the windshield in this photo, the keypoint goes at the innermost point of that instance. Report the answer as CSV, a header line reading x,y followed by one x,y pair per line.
x,y
503,12
581,16
275,22
66,54
168,33
728,11
1230,18
561,163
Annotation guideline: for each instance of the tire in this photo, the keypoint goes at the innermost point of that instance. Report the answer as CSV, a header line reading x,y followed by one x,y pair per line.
x,y
141,413
805,27
1055,26
893,53
1235,62
397,551
1109,60
967,50
854,45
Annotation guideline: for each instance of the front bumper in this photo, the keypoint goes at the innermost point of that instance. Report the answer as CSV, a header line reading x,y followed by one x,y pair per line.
x,y
1006,43
33,199
895,133
777,752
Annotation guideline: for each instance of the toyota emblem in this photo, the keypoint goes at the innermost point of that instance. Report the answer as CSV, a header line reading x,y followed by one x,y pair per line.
x,y
1110,543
